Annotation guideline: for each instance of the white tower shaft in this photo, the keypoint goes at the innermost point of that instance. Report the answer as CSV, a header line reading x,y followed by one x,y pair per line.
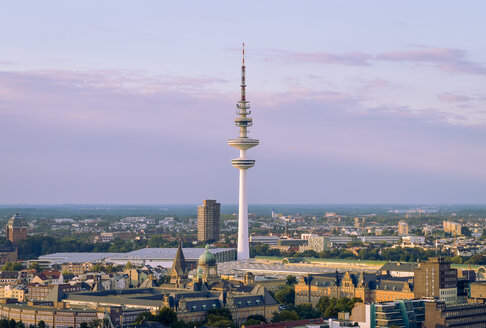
x,y
243,143
243,243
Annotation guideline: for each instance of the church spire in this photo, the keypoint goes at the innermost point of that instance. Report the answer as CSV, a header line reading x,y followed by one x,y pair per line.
x,y
179,266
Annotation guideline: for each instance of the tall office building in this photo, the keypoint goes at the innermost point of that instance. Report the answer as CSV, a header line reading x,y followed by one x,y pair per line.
x,y
243,143
208,227
435,279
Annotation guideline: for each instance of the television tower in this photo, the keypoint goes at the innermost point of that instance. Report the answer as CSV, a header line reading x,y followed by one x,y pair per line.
x,y
243,143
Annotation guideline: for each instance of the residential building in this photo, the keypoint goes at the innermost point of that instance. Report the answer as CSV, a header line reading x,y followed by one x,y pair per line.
x,y
452,228
402,228
39,292
359,223
104,237
12,291
77,268
8,254
9,277
48,277
208,225
16,229
436,279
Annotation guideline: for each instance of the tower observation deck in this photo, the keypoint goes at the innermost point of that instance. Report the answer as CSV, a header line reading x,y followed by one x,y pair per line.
x,y
243,143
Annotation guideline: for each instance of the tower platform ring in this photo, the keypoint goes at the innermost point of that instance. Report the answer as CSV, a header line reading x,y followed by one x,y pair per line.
x,y
243,164
243,143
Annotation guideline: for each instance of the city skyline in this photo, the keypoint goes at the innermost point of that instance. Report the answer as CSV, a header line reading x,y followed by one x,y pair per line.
x,y
105,103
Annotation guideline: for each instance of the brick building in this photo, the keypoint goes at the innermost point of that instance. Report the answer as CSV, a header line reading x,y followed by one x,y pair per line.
x,y
436,279
16,229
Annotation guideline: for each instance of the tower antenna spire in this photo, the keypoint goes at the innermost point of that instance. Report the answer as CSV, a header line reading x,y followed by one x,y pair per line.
x,y
243,54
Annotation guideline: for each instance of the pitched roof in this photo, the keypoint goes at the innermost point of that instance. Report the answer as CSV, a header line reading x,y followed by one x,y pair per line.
x,y
17,221
9,275
399,266
179,266
55,294
286,324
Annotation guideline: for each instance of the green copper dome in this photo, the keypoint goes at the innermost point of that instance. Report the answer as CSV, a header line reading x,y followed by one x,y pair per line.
x,y
207,258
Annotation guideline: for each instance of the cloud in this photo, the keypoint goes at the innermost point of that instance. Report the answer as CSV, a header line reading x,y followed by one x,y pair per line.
x,y
445,59
349,58
453,98
102,137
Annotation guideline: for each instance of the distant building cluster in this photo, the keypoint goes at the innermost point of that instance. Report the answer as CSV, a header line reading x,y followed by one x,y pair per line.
x,y
452,228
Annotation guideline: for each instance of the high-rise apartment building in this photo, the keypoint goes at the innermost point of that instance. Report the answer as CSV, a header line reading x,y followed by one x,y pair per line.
x,y
208,221
452,228
436,279
359,223
402,228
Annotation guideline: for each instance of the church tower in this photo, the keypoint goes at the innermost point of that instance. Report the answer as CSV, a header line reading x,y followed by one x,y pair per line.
x,y
178,272
16,229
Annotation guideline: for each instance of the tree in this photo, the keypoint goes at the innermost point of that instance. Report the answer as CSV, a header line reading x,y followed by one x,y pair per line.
x,y
255,319
285,295
41,324
141,318
83,325
12,266
330,307
291,280
166,316
285,315
220,318
307,311
34,266
129,265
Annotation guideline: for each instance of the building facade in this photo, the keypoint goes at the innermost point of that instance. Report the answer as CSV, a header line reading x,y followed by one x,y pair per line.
x,y
402,228
208,221
435,279
16,229
452,228
8,254
439,314
398,313
368,287
77,268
